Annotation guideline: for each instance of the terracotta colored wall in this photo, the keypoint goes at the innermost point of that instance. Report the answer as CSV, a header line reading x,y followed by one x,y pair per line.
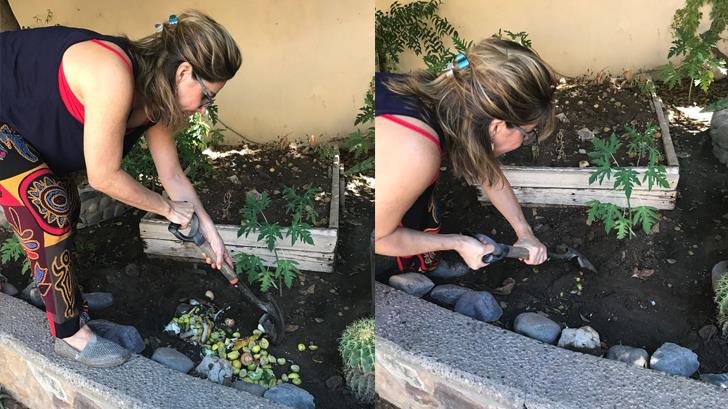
x,y
306,64
574,36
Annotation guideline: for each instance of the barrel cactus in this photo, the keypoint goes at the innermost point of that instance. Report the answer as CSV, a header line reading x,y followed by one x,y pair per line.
x,y
721,299
357,351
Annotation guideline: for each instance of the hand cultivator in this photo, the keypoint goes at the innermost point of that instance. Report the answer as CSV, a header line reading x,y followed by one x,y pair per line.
x,y
559,252
272,321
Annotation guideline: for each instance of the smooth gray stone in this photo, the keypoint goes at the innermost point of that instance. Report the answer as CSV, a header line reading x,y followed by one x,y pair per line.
x,y
290,395
719,129
448,293
32,295
182,309
171,358
718,379
124,335
412,283
480,305
631,355
446,270
10,289
537,326
719,270
585,337
98,301
674,359
252,388
216,369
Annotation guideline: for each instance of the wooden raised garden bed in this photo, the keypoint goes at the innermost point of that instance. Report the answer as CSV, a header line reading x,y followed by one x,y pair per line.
x,y
539,185
318,257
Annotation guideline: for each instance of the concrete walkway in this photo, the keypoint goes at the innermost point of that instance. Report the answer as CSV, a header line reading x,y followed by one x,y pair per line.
x,y
428,356
36,377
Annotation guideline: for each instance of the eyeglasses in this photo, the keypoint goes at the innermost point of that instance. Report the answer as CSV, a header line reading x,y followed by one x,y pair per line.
x,y
208,99
529,137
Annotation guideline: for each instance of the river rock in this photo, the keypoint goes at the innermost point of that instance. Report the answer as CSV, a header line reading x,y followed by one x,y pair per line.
x,y
446,270
579,338
480,305
537,326
252,388
412,283
448,294
125,335
216,369
631,355
290,395
98,301
718,379
674,359
171,358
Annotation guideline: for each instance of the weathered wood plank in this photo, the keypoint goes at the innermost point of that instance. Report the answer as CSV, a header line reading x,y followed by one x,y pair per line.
x,y
553,177
334,204
324,238
665,130
660,199
307,260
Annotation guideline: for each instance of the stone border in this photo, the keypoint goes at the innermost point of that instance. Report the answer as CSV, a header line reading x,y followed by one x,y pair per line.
x,y
428,356
38,378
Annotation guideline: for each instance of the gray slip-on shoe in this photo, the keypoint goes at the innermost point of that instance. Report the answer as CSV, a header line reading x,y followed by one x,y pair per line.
x,y
98,353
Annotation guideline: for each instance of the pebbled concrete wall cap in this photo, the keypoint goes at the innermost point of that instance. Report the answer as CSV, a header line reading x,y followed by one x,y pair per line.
x,y
510,370
139,383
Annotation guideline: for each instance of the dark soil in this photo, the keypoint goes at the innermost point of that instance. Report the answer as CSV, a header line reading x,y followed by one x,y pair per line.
x,y
268,168
602,108
317,308
671,305
682,96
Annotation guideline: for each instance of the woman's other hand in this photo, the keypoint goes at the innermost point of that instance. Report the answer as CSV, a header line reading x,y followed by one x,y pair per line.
x,y
537,252
180,213
472,251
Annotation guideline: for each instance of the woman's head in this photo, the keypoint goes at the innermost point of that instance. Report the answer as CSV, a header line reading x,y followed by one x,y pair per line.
x,y
489,107
183,66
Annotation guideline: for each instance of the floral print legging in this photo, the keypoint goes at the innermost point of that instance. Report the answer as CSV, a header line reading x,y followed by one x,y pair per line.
x,y
41,208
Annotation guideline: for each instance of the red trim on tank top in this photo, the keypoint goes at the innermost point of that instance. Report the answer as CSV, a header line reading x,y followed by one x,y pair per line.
x,y
73,105
420,131
415,128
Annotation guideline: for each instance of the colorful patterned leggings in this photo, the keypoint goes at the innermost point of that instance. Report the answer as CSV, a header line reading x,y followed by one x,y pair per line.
x,y
42,208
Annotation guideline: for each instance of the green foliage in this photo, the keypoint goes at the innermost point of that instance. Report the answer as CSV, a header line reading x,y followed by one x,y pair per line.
x,y
3,396
415,26
717,105
361,144
12,250
191,142
699,60
721,299
520,37
356,347
639,145
301,208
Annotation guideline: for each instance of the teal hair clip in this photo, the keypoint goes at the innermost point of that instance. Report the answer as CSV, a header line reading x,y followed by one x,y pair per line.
x,y
158,27
172,19
462,61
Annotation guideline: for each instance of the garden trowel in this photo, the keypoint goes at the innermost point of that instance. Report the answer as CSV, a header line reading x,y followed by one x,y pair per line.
x,y
271,322
559,252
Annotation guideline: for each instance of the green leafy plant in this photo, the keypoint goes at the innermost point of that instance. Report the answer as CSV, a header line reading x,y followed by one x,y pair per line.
x,y
191,142
721,299
361,143
697,49
12,250
415,26
356,347
520,37
302,210
640,146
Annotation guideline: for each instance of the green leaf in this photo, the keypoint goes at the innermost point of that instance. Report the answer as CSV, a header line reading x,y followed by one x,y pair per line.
x,y
270,233
623,226
717,105
287,270
626,179
646,215
656,175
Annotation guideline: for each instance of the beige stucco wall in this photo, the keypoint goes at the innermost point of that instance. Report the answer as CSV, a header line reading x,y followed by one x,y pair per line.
x,y
575,36
306,64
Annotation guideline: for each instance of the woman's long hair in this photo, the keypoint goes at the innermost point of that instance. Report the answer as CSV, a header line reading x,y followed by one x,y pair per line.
x,y
196,39
504,81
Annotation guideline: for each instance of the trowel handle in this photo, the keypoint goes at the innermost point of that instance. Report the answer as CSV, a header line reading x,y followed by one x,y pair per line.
x,y
226,270
518,252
